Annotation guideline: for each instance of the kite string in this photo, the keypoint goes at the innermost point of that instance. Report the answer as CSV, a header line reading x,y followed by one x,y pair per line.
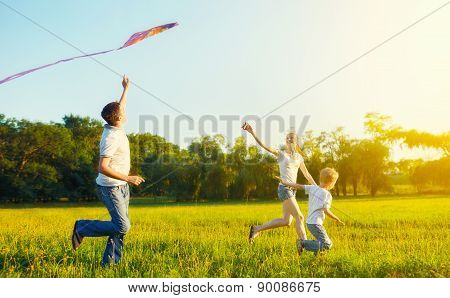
x,y
335,208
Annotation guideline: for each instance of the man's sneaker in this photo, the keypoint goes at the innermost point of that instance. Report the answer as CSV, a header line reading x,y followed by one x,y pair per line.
x,y
300,247
76,238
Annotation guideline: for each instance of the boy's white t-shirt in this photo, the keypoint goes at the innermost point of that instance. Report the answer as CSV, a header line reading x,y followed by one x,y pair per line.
x,y
289,165
114,144
319,198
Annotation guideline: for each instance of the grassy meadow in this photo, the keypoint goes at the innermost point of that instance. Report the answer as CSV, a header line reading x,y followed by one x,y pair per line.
x,y
385,237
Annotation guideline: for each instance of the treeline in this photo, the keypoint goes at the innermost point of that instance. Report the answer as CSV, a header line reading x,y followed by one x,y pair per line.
x,y
41,162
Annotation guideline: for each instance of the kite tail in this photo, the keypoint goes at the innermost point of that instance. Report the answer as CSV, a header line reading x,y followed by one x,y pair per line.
x,y
20,74
135,38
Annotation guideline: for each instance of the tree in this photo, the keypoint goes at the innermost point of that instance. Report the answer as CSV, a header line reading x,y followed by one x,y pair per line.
x,y
340,148
380,127
432,173
30,158
374,165
41,161
79,169
413,138
355,163
313,149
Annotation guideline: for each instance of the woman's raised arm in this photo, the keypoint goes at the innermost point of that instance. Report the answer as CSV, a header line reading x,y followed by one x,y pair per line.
x,y
307,174
248,128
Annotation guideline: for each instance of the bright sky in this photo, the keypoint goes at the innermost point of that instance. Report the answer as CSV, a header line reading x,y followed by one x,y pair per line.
x,y
232,58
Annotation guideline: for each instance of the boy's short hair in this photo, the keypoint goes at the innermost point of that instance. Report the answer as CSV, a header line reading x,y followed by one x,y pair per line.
x,y
328,175
111,113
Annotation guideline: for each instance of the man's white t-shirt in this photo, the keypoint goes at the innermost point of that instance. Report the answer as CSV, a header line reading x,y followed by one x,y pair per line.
x,y
319,198
114,144
289,164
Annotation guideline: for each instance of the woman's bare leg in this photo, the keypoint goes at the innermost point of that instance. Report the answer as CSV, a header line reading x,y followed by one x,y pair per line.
x,y
276,223
294,210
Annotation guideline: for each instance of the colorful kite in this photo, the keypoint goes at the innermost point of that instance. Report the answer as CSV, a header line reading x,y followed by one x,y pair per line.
x,y
135,38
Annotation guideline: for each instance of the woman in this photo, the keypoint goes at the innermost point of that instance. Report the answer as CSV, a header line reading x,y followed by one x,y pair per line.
x,y
289,161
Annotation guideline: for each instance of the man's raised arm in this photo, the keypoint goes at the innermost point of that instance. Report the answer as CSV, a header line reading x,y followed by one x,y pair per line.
x,y
123,98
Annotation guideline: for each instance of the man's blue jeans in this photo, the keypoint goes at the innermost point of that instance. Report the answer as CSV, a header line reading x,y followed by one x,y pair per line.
x,y
116,199
322,241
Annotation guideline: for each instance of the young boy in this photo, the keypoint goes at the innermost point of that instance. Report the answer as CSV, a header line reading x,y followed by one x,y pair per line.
x,y
319,204
112,183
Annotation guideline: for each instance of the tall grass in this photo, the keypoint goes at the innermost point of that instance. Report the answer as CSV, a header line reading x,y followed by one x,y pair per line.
x,y
385,237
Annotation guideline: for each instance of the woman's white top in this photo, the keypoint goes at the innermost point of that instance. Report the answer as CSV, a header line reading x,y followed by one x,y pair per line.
x,y
289,164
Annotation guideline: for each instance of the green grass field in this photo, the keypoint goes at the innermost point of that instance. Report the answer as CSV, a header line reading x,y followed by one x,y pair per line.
x,y
388,237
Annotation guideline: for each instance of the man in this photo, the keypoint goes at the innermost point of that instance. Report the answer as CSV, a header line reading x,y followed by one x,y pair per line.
x,y
112,183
